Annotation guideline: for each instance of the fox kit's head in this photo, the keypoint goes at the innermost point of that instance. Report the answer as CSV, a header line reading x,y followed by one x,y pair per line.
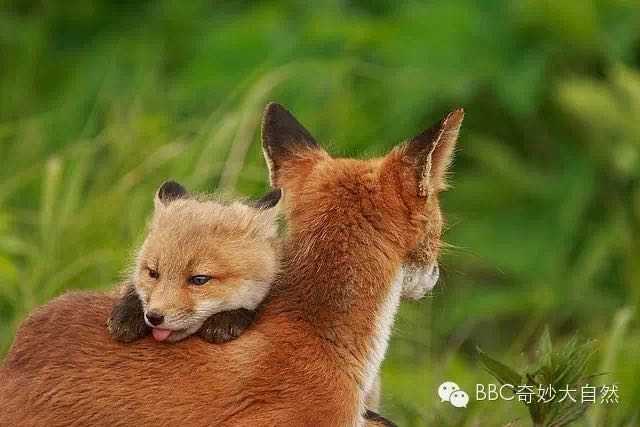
x,y
389,205
201,257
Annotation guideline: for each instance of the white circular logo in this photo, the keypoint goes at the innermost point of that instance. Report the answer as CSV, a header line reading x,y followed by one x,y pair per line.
x,y
446,389
459,399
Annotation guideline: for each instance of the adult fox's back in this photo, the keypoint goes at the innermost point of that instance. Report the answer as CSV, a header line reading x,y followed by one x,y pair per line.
x,y
75,384
316,349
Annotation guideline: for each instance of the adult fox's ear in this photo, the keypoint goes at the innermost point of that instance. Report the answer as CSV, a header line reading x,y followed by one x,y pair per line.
x,y
432,152
168,192
286,144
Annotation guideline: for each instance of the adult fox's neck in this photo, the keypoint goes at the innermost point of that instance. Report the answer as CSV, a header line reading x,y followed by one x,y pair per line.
x,y
342,287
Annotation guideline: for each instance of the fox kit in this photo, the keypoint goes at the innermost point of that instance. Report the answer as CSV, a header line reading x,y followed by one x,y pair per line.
x,y
130,321
204,267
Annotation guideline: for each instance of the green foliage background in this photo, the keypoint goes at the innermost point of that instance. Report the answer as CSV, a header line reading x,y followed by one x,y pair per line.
x,y
102,100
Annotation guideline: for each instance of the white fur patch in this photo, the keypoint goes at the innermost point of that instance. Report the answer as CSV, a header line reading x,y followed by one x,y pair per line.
x,y
418,281
142,294
384,323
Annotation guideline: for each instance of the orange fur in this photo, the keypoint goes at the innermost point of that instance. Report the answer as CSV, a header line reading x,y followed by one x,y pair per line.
x,y
308,359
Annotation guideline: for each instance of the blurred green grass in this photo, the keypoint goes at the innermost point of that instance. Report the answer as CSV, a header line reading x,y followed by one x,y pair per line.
x,y
102,100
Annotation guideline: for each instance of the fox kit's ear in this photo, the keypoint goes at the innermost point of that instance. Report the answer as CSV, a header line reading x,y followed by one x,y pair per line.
x,y
168,192
286,143
269,200
432,152
268,211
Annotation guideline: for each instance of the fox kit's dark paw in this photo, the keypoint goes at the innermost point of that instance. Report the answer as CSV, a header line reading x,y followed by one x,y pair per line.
x,y
226,325
126,323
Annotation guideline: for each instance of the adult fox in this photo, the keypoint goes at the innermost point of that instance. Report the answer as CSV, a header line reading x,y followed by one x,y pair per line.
x,y
317,347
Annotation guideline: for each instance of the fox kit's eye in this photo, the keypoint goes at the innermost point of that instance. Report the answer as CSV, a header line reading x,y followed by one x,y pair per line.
x,y
153,273
199,280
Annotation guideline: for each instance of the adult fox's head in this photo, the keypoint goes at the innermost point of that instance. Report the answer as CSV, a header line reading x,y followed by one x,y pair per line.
x,y
201,257
389,201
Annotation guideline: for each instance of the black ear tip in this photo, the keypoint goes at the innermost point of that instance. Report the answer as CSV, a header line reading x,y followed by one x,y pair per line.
x,y
450,122
454,118
171,190
269,200
274,113
280,127
274,108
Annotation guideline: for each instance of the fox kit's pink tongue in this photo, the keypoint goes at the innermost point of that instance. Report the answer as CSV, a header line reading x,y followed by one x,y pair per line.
x,y
160,334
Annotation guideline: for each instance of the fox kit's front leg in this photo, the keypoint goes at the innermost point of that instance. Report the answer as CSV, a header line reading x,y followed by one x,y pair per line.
x,y
126,323
226,325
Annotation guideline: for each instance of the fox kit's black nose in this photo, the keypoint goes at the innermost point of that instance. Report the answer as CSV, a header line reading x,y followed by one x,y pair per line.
x,y
154,318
